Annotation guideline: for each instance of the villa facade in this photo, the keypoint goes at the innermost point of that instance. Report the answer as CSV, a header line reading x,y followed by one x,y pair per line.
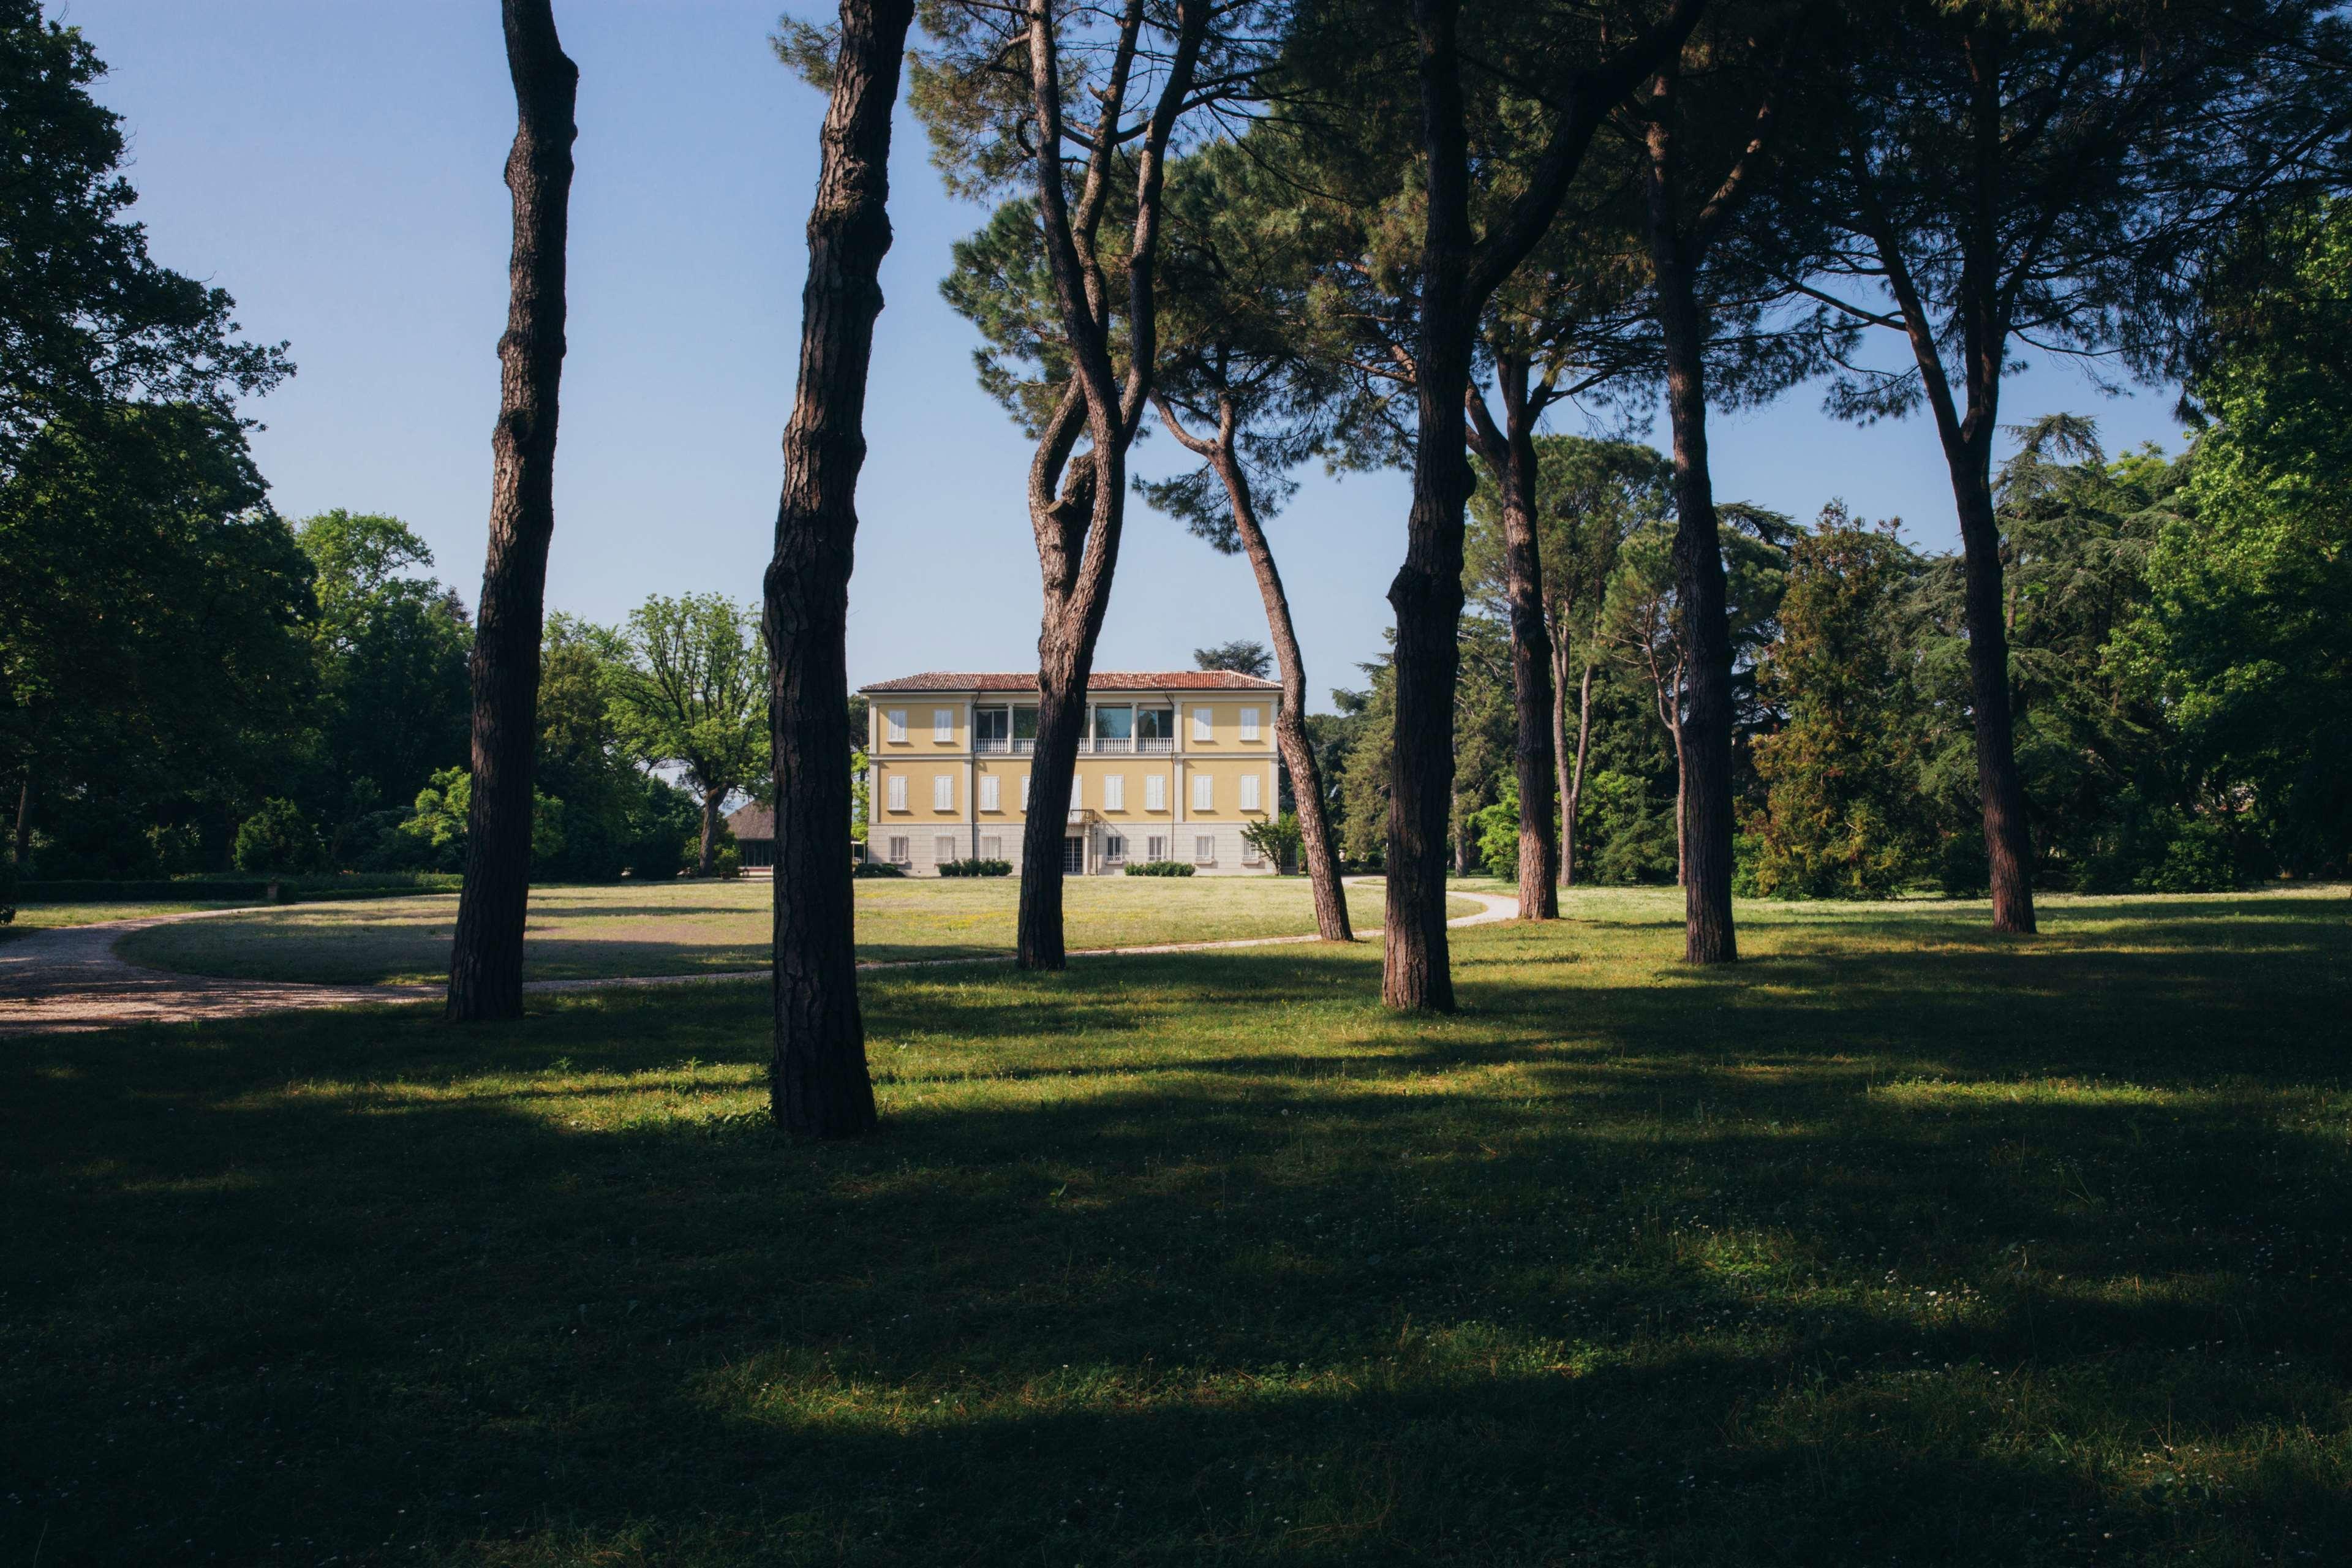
x,y
1174,767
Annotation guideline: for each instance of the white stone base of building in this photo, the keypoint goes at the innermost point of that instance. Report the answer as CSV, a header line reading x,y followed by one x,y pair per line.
x,y
1093,849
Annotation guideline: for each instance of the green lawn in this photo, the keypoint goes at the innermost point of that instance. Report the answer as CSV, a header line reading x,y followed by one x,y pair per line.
x,y
689,928
48,916
1896,1244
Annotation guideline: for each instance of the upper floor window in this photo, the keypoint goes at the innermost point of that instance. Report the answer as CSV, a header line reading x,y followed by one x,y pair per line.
x,y
1249,791
897,792
1115,793
991,730
1155,729
1249,723
942,723
1204,793
898,718
1114,729
943,792
1204,723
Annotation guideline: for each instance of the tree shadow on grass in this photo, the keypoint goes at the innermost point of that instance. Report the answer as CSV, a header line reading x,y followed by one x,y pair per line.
x,y
1843,1256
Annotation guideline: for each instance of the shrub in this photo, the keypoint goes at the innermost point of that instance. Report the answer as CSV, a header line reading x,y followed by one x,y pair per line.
x,y
1159,868
728,863
1279,839
279,837
976,868
877,869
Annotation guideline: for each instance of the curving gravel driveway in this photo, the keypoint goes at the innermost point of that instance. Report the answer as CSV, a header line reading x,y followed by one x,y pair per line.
x,y
70,980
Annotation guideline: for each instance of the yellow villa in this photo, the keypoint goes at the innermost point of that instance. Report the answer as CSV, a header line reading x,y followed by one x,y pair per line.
x,y
1174,767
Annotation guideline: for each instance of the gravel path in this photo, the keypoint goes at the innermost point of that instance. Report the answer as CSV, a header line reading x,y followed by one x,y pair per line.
x,y
70,980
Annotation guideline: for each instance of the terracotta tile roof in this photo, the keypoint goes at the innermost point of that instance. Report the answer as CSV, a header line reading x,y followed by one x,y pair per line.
x,y
752,820
1103,680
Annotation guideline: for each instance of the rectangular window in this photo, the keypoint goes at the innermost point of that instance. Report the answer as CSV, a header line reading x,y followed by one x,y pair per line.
x,y
1155,729
1204,793
1250,855
991,730
1249,791
897,723
943,792
990,793
1156,847
1204,723
1025,791
1249,723
943,848
901,853
1204,850
1078,795
992,848
1155,792
1024,730
942,723
1114,729
1074,857
897,787
1114,848
1115,793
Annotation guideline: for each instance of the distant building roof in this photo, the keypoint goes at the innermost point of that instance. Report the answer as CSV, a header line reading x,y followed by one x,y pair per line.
x,y
1148,680
752,821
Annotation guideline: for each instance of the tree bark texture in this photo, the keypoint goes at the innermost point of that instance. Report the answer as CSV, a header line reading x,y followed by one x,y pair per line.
x,y
23,821
1509,453
818,1084
708,854
1077,504
1322,859
1458,274
1703,741
486,961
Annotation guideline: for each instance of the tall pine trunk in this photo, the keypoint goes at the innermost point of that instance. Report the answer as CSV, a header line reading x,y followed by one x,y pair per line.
x,y
1458,274
818,1085
1573,798
2008,845
1322,859
486,961
1703,740
1509,453
707,852
1078,532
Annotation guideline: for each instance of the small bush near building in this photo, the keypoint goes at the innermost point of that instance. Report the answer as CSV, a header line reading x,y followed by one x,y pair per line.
x,y
976,868
877,869
728,863
1159,868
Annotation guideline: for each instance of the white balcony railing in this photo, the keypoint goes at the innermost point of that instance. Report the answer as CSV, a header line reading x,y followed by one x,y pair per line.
x,y
991,743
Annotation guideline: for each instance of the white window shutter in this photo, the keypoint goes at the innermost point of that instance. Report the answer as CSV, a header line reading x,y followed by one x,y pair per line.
x,y
1115,793
1155,792
1204,850
992,848
943,792
897,723
1025,791
1204,723
897,792
1204,793
988,792
942,723
1078,795
1249,723
1249,791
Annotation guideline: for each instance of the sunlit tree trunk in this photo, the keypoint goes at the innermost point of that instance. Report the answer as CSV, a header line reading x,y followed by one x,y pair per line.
x,y
818,1085
486,961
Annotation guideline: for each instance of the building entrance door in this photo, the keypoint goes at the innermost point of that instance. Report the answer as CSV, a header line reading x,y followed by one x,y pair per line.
x,y
1074,857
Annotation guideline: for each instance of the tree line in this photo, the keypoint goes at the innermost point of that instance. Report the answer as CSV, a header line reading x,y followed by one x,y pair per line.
x,y
1427,238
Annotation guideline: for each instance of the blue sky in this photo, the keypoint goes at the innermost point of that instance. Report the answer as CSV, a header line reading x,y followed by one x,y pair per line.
x,y
336,166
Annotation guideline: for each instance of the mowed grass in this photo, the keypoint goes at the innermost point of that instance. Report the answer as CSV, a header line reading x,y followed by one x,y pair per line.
x,y
698,927
1899,1243
48,916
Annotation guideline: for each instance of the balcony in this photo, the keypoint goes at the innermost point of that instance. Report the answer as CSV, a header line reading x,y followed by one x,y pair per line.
x,y
994,743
